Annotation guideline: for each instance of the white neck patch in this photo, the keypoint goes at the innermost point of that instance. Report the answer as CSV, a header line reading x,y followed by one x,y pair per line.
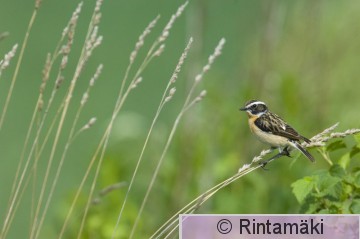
x,y
260,113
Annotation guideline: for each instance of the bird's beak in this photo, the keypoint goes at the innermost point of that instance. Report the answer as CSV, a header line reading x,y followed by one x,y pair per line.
x,y
243,109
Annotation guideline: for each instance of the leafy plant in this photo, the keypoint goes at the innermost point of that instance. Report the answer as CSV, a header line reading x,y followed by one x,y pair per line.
x,y
335,190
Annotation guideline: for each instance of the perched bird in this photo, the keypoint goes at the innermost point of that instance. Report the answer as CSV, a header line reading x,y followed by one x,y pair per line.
x,y
272,130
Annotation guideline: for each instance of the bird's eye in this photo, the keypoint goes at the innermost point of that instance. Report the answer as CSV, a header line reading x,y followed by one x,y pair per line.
x,y
253,106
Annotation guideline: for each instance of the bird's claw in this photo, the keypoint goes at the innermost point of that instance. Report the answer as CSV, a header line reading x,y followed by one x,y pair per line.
x,y
285,152
263,164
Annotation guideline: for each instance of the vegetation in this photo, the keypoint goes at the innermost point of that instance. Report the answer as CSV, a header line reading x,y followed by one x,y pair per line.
x,y
334,189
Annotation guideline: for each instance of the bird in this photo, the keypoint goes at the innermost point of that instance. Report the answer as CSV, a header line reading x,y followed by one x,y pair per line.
x,y
270,129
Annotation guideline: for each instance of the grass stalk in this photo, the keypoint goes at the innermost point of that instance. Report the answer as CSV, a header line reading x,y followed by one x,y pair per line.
x,y
17,183
165,98
70,139
90,43
7,101
189,102
18,64
155,50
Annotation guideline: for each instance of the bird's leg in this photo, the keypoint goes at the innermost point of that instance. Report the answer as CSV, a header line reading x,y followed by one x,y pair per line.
x,y
283,152
286,152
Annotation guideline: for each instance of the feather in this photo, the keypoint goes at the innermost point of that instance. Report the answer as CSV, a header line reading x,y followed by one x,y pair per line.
x,y
272,123
302,150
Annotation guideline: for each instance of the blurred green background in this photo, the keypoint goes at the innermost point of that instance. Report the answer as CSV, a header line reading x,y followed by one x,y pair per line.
x,y
301,57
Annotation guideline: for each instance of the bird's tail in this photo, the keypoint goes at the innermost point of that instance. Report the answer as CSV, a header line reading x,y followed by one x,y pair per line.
x,y
302,150
305,139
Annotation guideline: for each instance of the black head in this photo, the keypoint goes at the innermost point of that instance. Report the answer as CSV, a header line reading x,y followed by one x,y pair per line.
x,y
255,107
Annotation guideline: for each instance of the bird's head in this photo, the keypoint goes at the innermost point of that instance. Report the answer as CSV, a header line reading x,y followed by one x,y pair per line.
x,y
255,108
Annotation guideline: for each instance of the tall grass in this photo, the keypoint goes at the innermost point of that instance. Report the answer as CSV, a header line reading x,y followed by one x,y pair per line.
x,y
59,120
45,131
36,144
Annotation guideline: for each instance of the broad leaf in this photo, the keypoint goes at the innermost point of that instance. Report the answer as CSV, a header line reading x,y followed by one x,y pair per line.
x,y
336,145
355,150
302,187
337,171
355,206
344,161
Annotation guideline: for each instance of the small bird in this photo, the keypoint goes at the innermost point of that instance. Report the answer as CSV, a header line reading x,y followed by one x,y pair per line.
x,y
272,130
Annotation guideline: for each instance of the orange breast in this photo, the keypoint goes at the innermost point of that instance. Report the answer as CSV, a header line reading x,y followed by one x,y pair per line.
x,y
252,123
268,138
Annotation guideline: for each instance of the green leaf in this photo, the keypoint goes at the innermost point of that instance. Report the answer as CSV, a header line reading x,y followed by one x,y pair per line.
x,y
357,179
324,211
335,208
355,206
337,171
344,161
346,207
357,138
302,187
348,189
329,186
332,208
355,150
336,145
335,191
310,205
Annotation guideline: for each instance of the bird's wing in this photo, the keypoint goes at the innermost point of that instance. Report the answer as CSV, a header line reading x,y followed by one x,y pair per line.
x,y
272,123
